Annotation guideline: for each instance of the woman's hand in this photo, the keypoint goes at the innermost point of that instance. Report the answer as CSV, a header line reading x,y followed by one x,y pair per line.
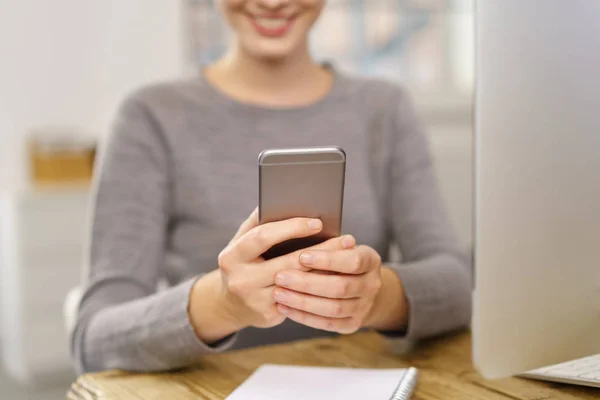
x,y
360,293
240,293
247,279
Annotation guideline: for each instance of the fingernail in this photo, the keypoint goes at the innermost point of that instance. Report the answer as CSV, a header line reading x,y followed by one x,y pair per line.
x,y
348,241
280,295
284,310
307,258
314,223
283,279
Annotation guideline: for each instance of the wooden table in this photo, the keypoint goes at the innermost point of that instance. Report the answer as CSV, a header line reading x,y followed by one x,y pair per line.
x,y
446,372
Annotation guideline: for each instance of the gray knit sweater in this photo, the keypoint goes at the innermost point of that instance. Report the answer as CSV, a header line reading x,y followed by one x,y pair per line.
x,y
178,176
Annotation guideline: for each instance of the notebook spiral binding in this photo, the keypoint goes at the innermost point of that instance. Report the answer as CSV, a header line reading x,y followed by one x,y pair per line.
x,y
406,385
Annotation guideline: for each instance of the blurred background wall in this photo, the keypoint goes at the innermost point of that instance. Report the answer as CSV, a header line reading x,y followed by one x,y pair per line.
x,y
66,64
64,67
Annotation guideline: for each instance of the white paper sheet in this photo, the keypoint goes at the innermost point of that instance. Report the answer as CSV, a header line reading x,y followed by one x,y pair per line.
x,y
278,382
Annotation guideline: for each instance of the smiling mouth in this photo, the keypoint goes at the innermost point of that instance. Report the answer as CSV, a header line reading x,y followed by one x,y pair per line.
x,y
272,26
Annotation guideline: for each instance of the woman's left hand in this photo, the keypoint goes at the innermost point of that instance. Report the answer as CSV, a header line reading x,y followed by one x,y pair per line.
x,y
346,297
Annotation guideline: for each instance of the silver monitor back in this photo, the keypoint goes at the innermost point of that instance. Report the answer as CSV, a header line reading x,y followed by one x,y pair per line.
x,y
537,285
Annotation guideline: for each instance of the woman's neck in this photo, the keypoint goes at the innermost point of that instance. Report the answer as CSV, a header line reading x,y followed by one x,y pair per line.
x,y
294,81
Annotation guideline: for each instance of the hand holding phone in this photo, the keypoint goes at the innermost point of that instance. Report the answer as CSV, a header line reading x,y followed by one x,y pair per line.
x,y
248,280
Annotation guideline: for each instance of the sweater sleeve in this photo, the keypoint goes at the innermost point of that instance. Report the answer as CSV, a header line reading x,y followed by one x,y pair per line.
x,y
435,272
123,322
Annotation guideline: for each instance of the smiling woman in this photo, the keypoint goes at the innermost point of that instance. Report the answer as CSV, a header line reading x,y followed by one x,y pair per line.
x,y
268,35
272,29
178,179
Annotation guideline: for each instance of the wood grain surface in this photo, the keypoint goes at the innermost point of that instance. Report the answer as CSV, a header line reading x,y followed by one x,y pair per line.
x,y
446,372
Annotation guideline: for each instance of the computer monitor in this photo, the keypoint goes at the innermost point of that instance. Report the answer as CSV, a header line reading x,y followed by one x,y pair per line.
x,y
537,163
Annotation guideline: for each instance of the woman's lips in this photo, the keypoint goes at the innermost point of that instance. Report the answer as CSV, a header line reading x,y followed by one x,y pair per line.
x,y
272,27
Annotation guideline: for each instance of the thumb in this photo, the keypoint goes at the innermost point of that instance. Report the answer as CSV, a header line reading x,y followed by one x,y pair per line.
x,y
292,260
337,243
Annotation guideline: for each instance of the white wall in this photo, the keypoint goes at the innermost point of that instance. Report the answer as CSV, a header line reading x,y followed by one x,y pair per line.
x,y
69,62
462,43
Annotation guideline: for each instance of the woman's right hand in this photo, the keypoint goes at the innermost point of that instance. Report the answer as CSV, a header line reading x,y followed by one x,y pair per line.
x,y
248,280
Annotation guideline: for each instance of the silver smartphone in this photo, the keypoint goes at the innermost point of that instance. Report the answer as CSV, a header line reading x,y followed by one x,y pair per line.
x,y
302,182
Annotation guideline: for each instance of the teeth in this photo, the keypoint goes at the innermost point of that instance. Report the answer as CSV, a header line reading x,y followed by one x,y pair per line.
x,y
272,23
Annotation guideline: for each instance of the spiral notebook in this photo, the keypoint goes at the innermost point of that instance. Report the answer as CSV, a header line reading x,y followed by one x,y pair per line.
x,y
277,382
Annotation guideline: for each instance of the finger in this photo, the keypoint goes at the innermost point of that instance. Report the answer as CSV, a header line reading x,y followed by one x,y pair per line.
x,y
331,286
292,260
354,261
261,238
250,223
340,325
337,243
332,308
263,274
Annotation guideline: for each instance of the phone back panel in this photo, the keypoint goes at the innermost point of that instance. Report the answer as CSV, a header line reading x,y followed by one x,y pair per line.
x,y
307,182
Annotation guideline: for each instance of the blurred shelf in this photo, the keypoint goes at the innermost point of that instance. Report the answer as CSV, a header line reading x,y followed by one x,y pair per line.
x,y
46,190
42,252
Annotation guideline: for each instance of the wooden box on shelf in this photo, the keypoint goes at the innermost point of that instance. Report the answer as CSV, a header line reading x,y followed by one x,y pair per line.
x,y
63,159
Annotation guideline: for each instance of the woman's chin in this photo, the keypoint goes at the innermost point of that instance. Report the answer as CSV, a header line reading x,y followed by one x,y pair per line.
x,y
272,51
